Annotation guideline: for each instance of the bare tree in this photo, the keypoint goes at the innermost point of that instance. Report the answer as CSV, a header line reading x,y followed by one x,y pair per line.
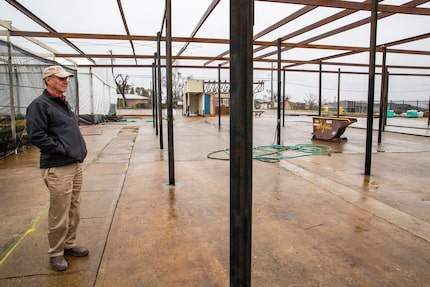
x,y
310,101
177,85
141,91
122,86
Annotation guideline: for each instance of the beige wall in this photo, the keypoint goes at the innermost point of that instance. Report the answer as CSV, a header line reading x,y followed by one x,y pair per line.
x,y
194,86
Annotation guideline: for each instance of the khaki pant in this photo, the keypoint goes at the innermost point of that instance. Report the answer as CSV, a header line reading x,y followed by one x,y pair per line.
x,y
64,184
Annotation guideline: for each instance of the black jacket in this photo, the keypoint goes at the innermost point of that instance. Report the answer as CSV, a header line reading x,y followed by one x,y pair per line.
x,y
54,129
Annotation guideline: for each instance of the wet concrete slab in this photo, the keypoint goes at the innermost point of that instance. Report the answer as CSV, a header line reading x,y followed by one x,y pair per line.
x,y
317,220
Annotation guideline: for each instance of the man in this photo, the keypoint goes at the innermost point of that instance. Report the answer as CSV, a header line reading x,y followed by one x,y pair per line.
x,y
53,127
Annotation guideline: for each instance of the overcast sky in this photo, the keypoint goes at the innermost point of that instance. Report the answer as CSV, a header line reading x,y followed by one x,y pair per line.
x,y
145,18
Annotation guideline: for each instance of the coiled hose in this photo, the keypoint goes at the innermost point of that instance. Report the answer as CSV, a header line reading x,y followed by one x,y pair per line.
x,y
275,153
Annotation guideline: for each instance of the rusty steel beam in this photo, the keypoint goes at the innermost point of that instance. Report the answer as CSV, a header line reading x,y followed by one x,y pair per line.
x,y
224,87
379,48
358,73
275,26
116,37
284,21
305,29
199,24
350,7
43,24
303,45
270,69
347,72
378,66
126,56
349,26
317,24
358,6
407,40
410,52
84,36
293,62
124,22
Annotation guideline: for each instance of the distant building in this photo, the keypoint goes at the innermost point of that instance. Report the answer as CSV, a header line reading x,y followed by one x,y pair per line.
x,y
132,100
197,102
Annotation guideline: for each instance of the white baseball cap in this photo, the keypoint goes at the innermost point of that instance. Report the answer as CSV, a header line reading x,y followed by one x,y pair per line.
x,y
57,71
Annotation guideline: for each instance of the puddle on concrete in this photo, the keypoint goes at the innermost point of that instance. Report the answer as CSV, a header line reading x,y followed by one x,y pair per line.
x,y
28,156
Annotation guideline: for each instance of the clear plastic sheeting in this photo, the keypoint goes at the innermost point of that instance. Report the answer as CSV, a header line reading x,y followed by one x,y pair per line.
x,y
21,82
97,95
91,92
26,81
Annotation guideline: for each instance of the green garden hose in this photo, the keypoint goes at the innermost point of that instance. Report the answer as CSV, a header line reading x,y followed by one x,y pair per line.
x,y
275,153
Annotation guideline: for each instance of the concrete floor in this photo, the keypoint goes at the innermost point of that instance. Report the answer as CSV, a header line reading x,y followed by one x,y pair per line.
x,y
317,220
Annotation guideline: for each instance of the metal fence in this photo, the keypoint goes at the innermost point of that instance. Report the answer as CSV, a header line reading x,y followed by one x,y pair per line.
x,y
398,107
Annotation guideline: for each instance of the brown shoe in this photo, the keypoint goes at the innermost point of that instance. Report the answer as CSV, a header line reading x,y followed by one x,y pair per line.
x,y
58,263
77,251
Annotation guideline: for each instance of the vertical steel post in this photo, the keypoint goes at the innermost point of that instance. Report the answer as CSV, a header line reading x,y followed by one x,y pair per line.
x,y
92,91
219,95
18,97
77,111
371,88
241,123
159,94
284,97
382,110
169,92
320,88
152,94
11,98
428,122
387,80
338,92
272,100
278,126
155,94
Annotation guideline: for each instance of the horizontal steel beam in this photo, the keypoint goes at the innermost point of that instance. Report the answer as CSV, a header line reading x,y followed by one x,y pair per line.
x,y
356,6
204,40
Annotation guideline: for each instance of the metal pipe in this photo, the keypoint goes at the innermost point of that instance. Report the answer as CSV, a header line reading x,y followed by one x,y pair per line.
x,y
92,92
382,110
159,94
428,122
338,92
371,88
272,100
284,97
11,98
278,125
219,95
320,88
18,97
241,125
169,92
154,95
387,81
